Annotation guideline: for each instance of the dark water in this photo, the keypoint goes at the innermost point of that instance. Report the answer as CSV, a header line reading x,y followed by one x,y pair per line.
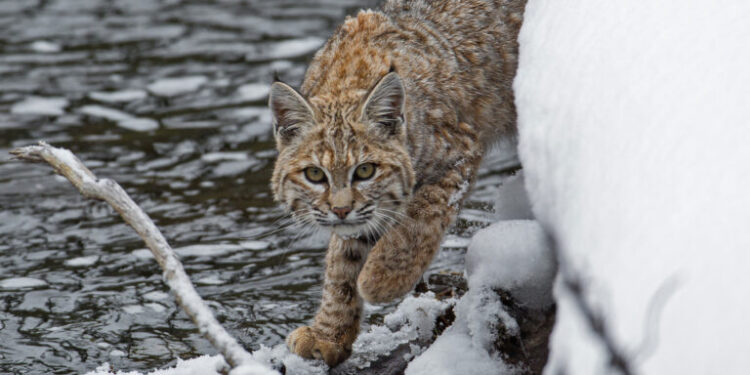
x,y
76,288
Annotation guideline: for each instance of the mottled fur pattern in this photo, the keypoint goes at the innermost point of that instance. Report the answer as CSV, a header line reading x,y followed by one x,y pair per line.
x,y
419,90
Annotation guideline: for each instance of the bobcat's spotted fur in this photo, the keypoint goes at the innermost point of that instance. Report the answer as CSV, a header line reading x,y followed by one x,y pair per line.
x,y
382,141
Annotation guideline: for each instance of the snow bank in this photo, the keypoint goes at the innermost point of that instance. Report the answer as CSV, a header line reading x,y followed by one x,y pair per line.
x,y
633,120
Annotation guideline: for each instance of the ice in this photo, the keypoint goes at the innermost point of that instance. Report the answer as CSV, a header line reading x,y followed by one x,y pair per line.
x,y
254,91
16,283
176,86
199,250
633,130
123,119
36,105
287,49
513,256
255,245
220,156
139,124
122,96
44,46
106,113
82,261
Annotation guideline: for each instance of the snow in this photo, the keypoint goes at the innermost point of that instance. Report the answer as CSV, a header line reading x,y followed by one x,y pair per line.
x,y
122,96
204,365
509,255
513,256
414,319
466,346
16,283
176,86
633,135
36,105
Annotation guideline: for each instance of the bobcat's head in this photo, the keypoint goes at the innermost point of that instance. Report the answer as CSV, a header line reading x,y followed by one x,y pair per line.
x,y
344,167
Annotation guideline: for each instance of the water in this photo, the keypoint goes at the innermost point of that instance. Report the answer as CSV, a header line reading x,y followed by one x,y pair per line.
x,y
168,98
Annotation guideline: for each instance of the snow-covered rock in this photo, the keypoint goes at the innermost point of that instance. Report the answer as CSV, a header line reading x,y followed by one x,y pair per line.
x,y
633,120
510,255
513,256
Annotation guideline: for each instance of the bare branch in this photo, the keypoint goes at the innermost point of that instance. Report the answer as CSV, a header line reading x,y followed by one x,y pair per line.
x,y
68,165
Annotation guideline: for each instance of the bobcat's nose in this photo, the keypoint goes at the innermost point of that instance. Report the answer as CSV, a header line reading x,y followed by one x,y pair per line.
x,y
341,212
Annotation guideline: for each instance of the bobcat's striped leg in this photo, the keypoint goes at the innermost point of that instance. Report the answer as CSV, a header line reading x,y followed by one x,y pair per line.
x,y
336,324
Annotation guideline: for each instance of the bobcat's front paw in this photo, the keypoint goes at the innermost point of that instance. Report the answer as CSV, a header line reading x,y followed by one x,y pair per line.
x,y
307,342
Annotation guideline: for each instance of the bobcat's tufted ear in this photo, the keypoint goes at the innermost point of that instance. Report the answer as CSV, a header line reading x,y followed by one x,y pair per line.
x,y
384,107
289,111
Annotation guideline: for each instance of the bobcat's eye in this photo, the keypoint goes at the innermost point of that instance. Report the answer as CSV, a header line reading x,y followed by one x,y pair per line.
x,y
364,171
315,175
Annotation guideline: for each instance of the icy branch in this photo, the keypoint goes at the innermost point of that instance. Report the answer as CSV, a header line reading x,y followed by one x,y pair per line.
x,y
69,166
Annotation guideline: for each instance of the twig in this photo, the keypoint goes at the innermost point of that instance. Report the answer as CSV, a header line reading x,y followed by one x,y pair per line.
x,y
68,165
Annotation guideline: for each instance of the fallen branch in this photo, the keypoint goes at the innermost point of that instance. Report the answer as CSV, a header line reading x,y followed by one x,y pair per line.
x,y
69,166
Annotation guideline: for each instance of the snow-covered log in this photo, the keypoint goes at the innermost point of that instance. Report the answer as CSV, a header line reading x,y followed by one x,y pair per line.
x,y
634,127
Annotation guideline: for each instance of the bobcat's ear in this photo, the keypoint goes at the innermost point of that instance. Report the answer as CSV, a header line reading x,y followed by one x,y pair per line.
x,y
289,111
384,107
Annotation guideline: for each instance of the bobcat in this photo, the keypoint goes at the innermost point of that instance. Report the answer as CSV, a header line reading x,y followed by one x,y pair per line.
x,y
382,142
